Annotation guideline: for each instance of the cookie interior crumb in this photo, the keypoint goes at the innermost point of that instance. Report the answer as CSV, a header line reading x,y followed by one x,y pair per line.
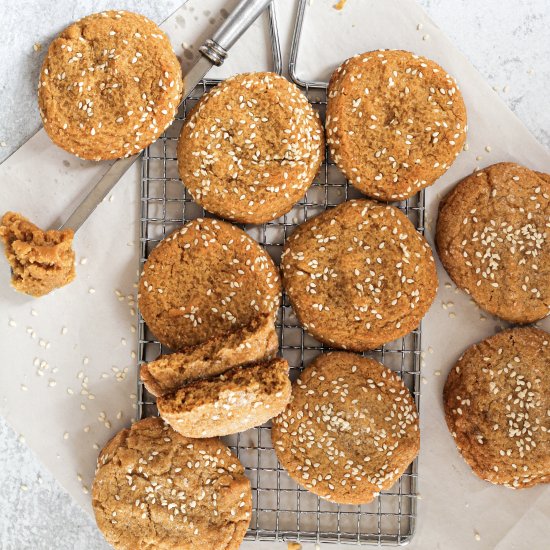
x,y
41,261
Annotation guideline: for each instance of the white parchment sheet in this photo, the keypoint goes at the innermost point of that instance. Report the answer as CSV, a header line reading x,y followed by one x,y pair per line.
x,y
68,375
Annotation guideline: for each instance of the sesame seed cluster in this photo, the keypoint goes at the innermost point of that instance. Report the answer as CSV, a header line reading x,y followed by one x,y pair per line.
x,y
109,86
155,488
395,122
248,345
236,400
497,407
41,261
359,275
204,280
250,148
350,430
492,238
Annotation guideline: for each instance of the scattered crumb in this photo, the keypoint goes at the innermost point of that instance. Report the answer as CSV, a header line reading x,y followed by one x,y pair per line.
x,y
83,261
133,355
488,148
426,37
34,313
12,323
111,198
133,328
437,373
23,387
66,435
477,536
85,360
37,47
294,546
505,88
424,380
339,6
24,488
85,489
466,147
64,330
91,290
482,318
419,27
3,144
21,438
95,446
52,383
123,341
79,476
430,349
479,157
452,315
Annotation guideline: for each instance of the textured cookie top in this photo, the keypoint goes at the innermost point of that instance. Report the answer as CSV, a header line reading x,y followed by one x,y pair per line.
x,y
252,343
235,401
41,261
205,279
109,86
395,122
493,239
155,488
250,148
350,429
497,407
359,275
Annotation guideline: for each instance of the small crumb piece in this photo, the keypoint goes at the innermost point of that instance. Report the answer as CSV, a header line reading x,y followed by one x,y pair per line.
x,y
477,536
41,261
24,487
64,330
23,387
294,546
452,315
340,5
83,261
123,341
66,435
37,46
3,144
419,27
34,313
488,148
85,360
426,37
91,290
437,373
111,198
424,380
12,323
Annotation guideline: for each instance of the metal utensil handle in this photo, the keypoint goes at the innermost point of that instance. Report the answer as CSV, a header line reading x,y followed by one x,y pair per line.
x,y
246,12
98,193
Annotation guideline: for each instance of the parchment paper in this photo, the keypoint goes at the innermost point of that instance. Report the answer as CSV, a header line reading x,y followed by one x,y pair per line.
x,y
68,390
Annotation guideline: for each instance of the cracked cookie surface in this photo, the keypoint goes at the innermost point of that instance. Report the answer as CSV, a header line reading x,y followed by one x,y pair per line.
x,y
497,407
359,275
492,237
395,122
350,430
109,86
250,148
204,280
155,489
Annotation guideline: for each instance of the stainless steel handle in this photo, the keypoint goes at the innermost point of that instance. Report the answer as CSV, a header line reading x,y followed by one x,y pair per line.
x,y
246,12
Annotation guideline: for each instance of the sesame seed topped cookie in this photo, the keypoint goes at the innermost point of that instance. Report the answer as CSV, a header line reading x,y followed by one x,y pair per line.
x,y
109,86
395,122
155,488
206,279
234,401
493,239
359,275
497,407
350,429
250,148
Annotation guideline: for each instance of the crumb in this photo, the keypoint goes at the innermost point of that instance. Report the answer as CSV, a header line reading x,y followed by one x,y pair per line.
x,y
3,144
41,261
452,315
66,435
488,148
294,546
339,6
23,387
477,536
91,290
64,330
419,26
437,373
34,313
83,261
12,323
424,380
466,147
426,37
37,47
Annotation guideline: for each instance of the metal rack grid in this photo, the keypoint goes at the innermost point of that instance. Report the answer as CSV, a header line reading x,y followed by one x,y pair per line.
x,y
282,510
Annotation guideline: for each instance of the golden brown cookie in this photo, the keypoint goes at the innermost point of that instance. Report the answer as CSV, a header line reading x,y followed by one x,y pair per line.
x,y
497,407
359,275
395,122
350,429
204,280
252,343
235,401
154,488
250,148
492,238
41,261
109,86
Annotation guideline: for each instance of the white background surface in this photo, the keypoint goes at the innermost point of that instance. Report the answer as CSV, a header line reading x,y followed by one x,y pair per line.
x,y
508,43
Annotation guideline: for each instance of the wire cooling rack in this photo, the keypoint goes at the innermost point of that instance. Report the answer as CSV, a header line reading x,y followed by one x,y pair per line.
x,y
283,511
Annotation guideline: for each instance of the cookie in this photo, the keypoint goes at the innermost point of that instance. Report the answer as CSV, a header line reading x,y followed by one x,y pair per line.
x,y
350,429
109,86
251,148
154,488
492,238
235,401
40,261
395,122
497,403
204,280
250,344
359,275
